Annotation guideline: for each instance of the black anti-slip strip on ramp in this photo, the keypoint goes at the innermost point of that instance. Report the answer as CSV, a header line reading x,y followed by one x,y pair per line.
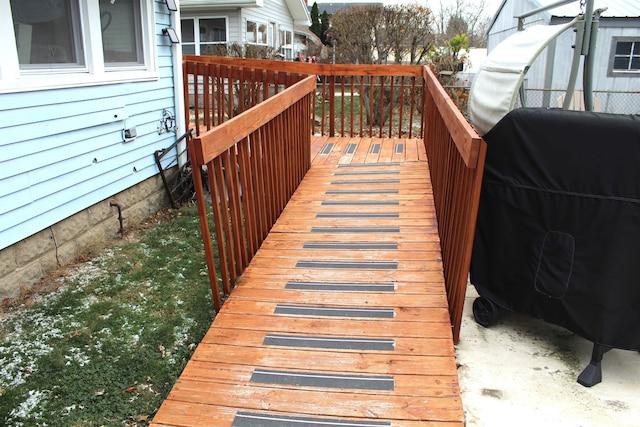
x,y
248,419
355,173
360,202
360,165
326,149
350,246
362,192
366,181
355,229
340,286
337,343
358,215
351,148
375,148
358,265
319,379
309,310
399,148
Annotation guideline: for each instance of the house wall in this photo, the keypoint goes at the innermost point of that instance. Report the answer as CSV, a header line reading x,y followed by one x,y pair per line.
x,y
62,151
272,11
23,264
551,70
232,15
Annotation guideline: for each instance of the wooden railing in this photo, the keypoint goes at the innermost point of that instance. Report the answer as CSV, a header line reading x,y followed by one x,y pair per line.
x,y
219,90
253,163
367,100
415,106
456,155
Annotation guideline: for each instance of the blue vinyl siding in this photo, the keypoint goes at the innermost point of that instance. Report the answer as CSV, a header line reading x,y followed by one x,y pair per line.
x,y
61,151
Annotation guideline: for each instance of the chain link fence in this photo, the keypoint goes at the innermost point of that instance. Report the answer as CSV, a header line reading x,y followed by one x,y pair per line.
x,y
615,102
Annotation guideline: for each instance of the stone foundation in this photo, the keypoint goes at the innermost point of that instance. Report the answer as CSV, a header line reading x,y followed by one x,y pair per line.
x,y
23,264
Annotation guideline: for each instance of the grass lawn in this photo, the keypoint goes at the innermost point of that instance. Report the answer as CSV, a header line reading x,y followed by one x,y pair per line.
x,y
107,344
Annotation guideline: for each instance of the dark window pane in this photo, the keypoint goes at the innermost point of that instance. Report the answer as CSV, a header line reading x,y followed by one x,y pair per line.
x,y
189,49
621,63
623,48
213,30
47,33
121,32
187,31
252,32
635,63
636,48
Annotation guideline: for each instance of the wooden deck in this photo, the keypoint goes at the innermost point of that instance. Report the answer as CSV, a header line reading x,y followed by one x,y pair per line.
x,y
341,319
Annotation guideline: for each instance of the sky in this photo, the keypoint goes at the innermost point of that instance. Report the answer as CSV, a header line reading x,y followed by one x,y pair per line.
x,y
492,5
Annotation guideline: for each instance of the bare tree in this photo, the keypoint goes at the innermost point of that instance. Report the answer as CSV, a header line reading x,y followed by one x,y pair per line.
x,y
379,34
463,17
408,32
375,34
354,32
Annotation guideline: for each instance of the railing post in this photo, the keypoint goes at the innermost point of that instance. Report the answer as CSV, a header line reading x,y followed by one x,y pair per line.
x,y
332,105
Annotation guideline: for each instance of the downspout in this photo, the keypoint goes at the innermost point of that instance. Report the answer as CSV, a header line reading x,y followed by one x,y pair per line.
x,y
178,87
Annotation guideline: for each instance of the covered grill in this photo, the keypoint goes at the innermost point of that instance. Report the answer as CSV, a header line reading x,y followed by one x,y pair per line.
x,y
558,230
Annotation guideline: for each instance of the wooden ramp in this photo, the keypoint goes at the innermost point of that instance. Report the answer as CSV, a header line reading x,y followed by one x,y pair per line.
x,y
341,319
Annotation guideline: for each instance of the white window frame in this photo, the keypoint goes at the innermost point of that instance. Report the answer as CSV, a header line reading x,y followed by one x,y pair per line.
x,y
94,72
257,23
612,55
282,34
273,34
196,29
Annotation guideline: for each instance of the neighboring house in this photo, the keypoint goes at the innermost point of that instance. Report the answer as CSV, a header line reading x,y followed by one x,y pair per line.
x,y
333,7
472,61
617,69
268,23
84,88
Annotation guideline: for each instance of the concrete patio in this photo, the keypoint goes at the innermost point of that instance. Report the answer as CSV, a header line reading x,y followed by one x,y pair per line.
x,y
523,372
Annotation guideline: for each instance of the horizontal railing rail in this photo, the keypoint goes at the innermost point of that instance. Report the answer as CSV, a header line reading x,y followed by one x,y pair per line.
x,y
252,163
456,155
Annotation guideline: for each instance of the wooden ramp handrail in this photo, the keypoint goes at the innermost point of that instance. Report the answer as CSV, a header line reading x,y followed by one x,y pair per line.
x,y
456,155
400,96
253,163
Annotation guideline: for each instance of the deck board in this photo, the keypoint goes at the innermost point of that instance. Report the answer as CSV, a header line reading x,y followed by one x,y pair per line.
x,y
341,318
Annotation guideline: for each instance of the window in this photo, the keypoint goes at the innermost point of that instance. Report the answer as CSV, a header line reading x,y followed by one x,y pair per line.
x,y
76,42
121,32
286,44
272,34
47,34
625,57
211,32
256,33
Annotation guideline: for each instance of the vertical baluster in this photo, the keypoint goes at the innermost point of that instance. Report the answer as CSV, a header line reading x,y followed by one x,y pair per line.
x,y
361,103
391,106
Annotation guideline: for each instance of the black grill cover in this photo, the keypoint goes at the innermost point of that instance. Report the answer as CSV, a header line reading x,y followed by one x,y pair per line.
x,y
558,231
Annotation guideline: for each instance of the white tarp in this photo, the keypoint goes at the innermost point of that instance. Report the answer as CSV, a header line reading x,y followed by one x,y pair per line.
x,y
495,88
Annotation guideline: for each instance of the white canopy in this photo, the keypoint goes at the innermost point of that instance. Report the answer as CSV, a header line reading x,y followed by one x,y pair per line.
x,y
495,87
